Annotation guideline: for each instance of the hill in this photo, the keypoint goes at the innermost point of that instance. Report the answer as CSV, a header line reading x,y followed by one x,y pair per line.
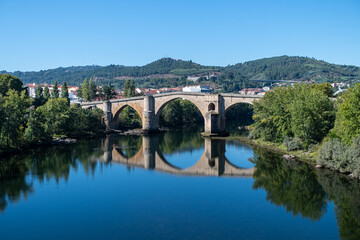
x,y
162,69
296,68
168,72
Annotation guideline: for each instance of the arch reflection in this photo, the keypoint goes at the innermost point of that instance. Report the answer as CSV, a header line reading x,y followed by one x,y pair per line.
x,y
213,161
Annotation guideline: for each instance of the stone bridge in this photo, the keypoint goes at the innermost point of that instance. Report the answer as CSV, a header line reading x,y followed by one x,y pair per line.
x,y
212,107
213,161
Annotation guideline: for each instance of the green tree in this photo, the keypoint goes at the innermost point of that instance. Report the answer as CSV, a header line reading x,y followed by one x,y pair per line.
x,y
312,114
65,92
91,89
36,131
191,113
2,115
85,91
347,124
84,121
126,88
56,114
46,94
301,111
323,87
14,108
272,116
172,114
131,91
55,93
79,92
39,98
129,118
8,82
108,91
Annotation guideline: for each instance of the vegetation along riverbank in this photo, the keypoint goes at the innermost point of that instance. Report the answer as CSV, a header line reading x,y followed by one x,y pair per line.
x,y
26,122
307,122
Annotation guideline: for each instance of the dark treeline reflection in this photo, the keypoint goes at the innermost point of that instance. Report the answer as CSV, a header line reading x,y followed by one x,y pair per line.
x,y
127,145
345,193
18,172
13,181
305,191
181,140
289,184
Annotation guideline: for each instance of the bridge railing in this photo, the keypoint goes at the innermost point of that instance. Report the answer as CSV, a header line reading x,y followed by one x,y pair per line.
x,y
172,94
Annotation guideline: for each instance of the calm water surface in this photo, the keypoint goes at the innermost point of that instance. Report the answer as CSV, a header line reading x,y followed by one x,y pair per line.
x,y
172,186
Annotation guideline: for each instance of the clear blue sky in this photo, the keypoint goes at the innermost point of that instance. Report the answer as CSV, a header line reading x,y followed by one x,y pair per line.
x,y
37,35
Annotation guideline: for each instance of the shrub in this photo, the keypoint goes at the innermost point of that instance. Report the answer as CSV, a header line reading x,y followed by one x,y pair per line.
x,y
336,155
292,144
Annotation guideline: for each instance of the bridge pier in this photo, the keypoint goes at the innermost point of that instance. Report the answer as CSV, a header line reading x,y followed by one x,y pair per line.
x,y
214,125
214,118
215,155
149,120
108,114
107,148
149,145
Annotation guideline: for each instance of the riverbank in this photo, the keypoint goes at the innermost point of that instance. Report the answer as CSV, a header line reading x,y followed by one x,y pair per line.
x,y
55,141
275,148
300,155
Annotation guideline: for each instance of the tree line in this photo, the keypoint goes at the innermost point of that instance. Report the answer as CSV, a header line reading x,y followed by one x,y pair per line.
x,y
89,91
25,121
306,117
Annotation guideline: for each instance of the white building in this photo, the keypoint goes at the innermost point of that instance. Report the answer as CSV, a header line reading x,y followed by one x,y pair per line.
x,y
197,88
73,98
32,89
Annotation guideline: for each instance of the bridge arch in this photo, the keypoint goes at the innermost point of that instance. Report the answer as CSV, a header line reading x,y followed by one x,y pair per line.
x,y
116,113
237,117
161,105
90,107
136,158
229,106
196,100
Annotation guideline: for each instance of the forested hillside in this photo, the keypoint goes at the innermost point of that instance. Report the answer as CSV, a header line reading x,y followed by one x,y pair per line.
x,y
168,72
296,68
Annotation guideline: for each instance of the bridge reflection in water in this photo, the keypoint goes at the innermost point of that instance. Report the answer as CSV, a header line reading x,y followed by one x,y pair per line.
x,y
213,161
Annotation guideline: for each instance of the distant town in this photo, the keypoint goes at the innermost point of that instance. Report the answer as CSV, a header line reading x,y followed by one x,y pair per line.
x,y
119,93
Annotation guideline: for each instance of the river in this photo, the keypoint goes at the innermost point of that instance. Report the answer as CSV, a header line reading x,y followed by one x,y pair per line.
x,y
175,185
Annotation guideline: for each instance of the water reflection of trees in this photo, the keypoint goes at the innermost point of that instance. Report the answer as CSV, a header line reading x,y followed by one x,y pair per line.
x,y
180,141
345,193
302,191
13,182
45,163
289,184
128,145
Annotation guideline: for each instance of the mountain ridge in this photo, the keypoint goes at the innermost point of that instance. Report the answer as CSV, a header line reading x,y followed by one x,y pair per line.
x,y
272,68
